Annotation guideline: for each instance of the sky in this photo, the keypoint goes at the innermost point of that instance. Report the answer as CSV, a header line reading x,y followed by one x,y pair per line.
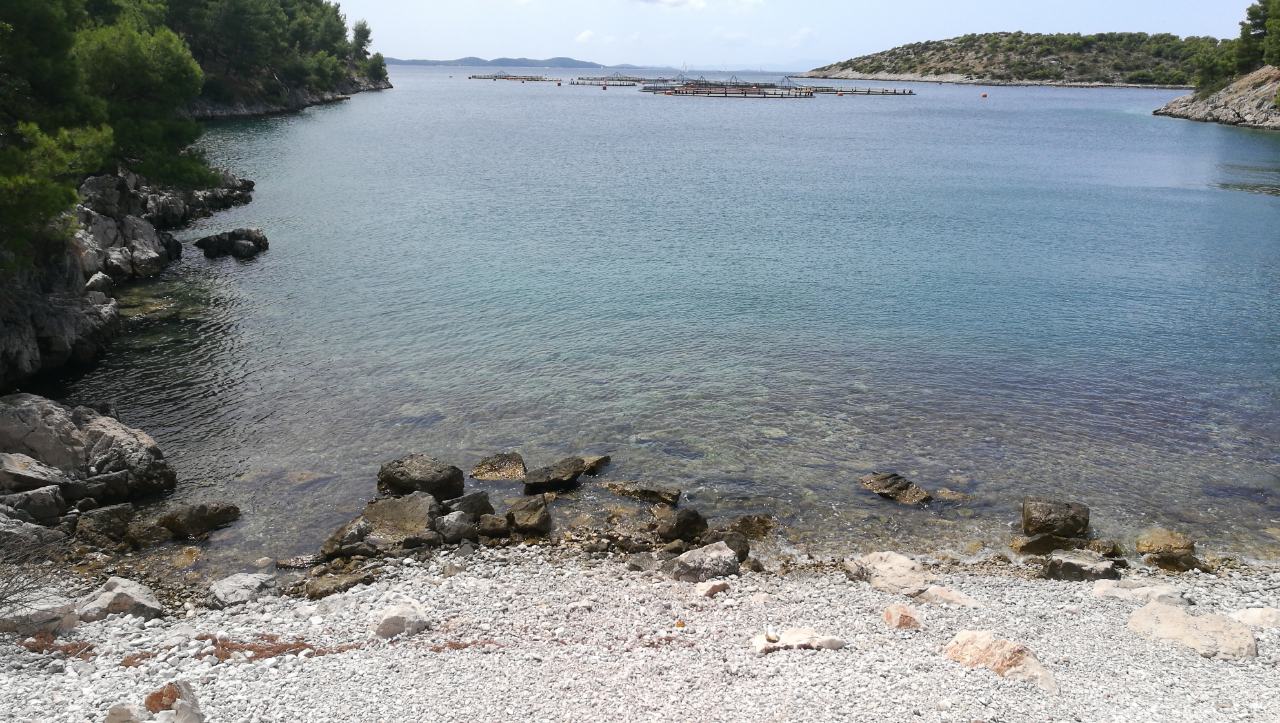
x,y
748,34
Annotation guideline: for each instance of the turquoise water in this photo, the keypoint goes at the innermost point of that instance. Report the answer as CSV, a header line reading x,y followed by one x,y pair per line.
x,y
1048,291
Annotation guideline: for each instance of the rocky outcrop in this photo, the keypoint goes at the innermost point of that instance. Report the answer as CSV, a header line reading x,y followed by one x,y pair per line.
x,y
57,312
1251,102
296,100
420,473
242,243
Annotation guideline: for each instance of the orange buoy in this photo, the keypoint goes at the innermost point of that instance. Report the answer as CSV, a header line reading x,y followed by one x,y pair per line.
x,y
984,95
839,95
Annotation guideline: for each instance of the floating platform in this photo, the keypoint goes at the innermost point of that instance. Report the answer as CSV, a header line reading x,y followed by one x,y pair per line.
x,y
836,90
521,78
604,83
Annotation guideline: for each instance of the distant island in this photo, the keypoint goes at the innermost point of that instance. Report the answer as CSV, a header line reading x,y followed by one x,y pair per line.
x,y
1036,59
473,62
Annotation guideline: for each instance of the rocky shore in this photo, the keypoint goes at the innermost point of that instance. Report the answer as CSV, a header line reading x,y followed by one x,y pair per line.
x,y
657,610
295,101
1249,102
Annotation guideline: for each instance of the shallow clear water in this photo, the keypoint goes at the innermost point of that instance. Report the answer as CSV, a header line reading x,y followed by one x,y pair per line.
x,y
1049,291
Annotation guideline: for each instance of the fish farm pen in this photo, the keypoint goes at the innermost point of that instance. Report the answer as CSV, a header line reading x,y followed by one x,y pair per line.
x,y
508,76
837,90
604,83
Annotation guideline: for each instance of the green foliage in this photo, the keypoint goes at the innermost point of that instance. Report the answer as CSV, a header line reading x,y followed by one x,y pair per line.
x,y
38,176
1215,67
375,68
1136,58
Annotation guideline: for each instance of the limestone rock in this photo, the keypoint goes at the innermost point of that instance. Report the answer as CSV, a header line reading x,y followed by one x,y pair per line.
x,y
420,473
239,589
1045,544
493,526
20,473
456,527
1212,636
1139,592
176,699
36,613
347,537
1258,617
113,447
499,467
395,519
903,617
794,639
735,540
242,243
704,563
711,589
896,487
559,477
120,596
684,524
401,620
197,520
645,493
937,595
530,516
105,526
474,504
974,648
888,572
1080,565
1054,517
42,430
44,505
1168,550
19,535
1249,101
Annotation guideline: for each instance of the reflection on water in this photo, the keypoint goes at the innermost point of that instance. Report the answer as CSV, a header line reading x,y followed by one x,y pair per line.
x,y
1050,292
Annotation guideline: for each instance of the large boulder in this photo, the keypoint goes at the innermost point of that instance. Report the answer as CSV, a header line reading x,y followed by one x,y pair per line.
x,y
420,473
888,572
38,612
507,466
530,516
18,534
401,620
456,527
348,540
42,430
981,648
894,486
242,243
683,524
105,527
20,473
239,589
119,596
195,521
559,477
645,493
1168,550
44,505
395,519
1212,636
474,504
704,563
1080,565
1054,517
113,447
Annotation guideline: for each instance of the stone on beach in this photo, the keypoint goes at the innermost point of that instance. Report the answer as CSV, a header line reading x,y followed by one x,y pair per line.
x,y
421,473
119,596
903,617
888,572
507,466
493,526
197,520
456,527
559,477
45,505
394,519
1139,592
239,589
974,648
1080,565
945,596
684,524
326,585
347,540
474,504
1212,636
43,611
530,516
1258,617
894,486
1042,516
711,589
1168,550
794,639
20,473
703,564
401,620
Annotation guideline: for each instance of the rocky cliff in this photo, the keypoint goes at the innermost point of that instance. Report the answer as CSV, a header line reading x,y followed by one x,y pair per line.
x,y
296,100
59,311
1251,102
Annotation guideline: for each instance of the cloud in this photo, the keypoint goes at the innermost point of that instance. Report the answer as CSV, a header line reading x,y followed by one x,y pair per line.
x,y
694,4
585,36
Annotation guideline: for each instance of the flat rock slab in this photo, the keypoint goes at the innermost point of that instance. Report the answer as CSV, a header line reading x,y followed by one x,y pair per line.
x,y
239,589
1212,636
507,466
894,486
981,648
888,572
1139,592
1080,565
559,477
119,596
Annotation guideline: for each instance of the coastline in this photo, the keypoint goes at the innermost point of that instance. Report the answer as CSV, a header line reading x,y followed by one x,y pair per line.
x,y
298,100
1249,102
964,80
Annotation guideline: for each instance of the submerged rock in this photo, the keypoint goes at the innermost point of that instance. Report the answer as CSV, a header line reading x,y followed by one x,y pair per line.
x,y
645,493
1054,517
243,243
559,477
507,466
593,465
105,526
894,486
195,521
420,473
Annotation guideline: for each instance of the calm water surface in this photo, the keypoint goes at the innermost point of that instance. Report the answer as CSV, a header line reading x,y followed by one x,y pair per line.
x,y
1049,291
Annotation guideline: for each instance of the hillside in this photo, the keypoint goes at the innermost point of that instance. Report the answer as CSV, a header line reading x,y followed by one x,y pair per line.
x,y
1058,59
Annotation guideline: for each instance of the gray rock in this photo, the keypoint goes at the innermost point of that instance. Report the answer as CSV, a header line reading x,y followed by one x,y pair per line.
x,y
1080,565
888,572
42,430
593,465
456,527
559,477
342,542
1054,517
242,243
194,521
20,473
113,447
106,526
735,540
1249,102
40,612
704,563
1168,550
530,516
19,535
684,524
99,282
645,493
474,504
324,586
119,596
1045,543
401,620
239,589
397,519
504,466
420,473
493,526
894,486
45,505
